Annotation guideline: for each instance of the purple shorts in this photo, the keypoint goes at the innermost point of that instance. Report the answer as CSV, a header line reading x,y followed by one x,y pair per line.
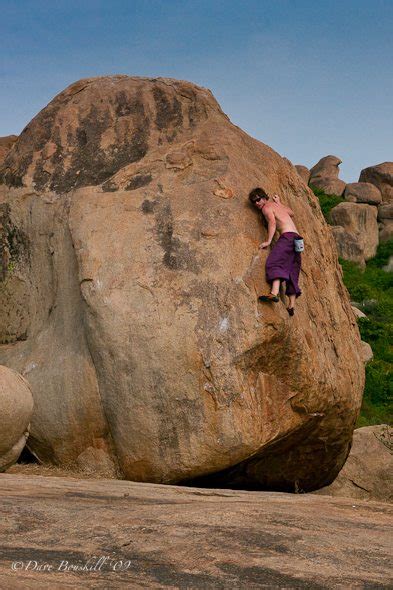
x,y
284,263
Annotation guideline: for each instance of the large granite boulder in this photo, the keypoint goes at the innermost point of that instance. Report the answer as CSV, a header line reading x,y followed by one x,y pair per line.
x,y
358,240
362,192
381,176
324,175
135,269
16,408
368,472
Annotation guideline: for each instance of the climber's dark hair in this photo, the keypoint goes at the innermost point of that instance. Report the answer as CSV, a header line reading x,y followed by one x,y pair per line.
x,y
257,193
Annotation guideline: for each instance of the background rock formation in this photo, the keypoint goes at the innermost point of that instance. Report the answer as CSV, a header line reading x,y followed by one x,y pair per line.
x,y
368,472
16,408
130,295
381,176
356,231
324,175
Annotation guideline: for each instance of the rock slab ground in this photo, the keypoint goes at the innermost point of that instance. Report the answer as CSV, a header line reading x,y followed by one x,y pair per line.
x,y
179,537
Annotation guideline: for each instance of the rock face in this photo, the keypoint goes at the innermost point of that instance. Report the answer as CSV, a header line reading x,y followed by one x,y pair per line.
x,y
381,176
16,408
303,172
6,144
362,192
134,267
368,472
324,175
358,240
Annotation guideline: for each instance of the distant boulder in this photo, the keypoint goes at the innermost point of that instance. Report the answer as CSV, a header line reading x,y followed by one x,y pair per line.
x,y
385,211
360,240
362,192
367,474
381,176
324,175
303,172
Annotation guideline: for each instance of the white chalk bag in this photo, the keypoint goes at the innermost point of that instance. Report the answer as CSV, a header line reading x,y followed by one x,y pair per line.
x,y
299,244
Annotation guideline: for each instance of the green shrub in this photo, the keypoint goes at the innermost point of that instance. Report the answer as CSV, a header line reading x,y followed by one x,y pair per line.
x,y
372,289
327,202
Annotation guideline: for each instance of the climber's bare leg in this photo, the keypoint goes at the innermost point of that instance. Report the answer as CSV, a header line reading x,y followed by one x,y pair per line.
x,y
292,299
275,287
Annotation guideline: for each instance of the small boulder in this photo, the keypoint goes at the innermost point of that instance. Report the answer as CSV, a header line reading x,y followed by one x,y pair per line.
x,y
362,192
358,312
324,175
381,176
330,186
326,167
385,211
16,408
367,352
361,222
303,172
367,474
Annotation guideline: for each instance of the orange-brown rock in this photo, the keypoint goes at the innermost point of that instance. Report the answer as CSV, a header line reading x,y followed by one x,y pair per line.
x,y
6,144
303,172
360,226
381,176
362,192
131,299
324,176
368,471
16,408
120,534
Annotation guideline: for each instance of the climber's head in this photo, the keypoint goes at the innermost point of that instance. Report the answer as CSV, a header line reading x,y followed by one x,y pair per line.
x,y
258,197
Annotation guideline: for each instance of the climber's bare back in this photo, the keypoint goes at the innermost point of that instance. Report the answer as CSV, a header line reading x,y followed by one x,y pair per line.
x,y
283,216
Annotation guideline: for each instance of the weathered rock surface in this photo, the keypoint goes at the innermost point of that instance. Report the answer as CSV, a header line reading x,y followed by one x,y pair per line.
x,y
155,536
348,245
381,176
362,192
368,472
385,212
303,172
16,408
359,240
324,175
135,268
6,144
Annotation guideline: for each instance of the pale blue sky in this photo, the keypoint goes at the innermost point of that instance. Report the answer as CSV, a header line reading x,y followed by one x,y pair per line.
x,y
309,78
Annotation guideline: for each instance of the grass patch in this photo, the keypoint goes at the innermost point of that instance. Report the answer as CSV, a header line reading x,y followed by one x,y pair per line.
x,y
327,202
372,290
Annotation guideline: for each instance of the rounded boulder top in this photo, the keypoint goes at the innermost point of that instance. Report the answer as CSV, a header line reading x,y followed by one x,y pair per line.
x,y
98,125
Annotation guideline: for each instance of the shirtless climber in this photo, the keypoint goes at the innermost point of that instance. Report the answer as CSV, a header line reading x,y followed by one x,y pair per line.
x,y
283,262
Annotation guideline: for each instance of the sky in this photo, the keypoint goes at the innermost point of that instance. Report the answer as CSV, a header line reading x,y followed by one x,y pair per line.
x,y
307,77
